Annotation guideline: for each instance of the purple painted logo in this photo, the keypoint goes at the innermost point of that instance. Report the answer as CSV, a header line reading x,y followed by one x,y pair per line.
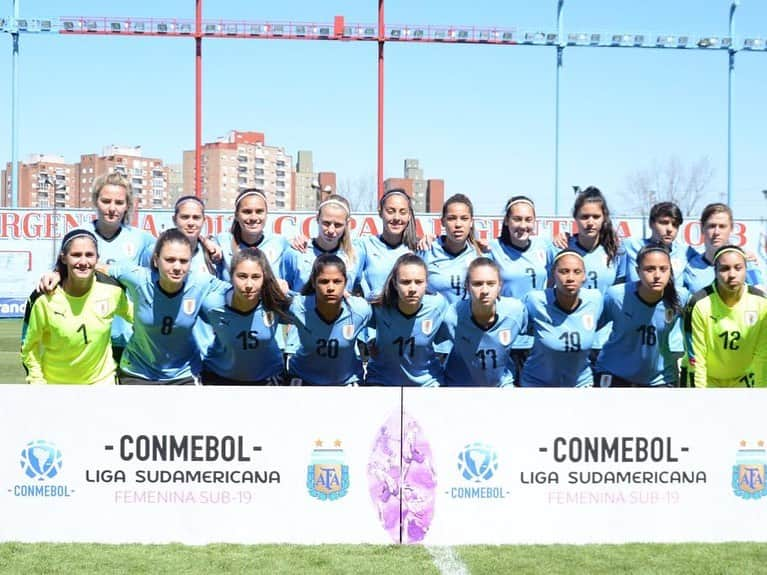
x,y
401,479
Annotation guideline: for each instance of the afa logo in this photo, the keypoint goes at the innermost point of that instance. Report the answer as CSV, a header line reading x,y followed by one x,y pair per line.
x,y
41,460
327,476
478,462
748,473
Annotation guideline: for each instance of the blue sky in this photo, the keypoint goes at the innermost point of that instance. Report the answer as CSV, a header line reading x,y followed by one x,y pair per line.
x,y
481,117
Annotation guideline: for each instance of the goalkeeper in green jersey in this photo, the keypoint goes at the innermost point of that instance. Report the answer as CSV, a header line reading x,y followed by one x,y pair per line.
x,y
66,333
726,327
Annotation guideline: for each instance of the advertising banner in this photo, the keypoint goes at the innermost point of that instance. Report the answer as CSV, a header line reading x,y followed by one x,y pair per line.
x,y
380,465
29,239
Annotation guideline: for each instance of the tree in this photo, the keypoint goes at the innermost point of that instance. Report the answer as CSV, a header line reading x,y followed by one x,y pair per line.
x,y
360,192
672,181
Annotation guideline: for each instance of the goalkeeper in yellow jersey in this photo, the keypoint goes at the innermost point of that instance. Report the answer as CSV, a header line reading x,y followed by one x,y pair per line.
x,y
726,327
66,334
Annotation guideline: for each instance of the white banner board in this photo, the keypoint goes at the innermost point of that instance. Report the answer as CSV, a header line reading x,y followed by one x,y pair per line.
x,y
380,465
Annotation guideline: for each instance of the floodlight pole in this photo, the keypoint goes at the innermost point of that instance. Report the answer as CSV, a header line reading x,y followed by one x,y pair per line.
x,y
198,99
731,51
560,53
15,110
380,150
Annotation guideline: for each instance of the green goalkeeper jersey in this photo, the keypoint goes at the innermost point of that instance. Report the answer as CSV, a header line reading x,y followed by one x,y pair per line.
x,y
727,346
66,339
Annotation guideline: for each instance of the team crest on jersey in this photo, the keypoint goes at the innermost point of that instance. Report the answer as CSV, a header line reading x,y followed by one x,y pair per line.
x,y
588,321
348,331
426,326
749,474
670,315
750,317
101,307
129,249
268,318
189,305
504,336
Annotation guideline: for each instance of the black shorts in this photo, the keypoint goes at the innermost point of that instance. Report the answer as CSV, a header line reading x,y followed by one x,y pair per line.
x,y
211,378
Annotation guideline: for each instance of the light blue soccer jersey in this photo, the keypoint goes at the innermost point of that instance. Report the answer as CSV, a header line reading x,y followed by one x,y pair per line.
x,y
638,349
521,272
273,246
244,348
296,270
678,263
129,244
376,260
327,352
600,274
297,266
481,357
562,340
404,343
162,347
447,271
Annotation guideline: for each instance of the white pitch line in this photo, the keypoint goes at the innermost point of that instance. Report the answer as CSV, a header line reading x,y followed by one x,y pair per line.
x,y
447,561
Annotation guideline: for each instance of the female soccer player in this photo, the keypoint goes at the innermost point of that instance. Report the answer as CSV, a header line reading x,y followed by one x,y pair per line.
x,y
598,244
244,320
644,313
726,327
66,334
112,196
482,329
716,223
333,237
563,322
247,231
523,260
377,254
189,217
408,320
166,300
665,220
448,258
328,325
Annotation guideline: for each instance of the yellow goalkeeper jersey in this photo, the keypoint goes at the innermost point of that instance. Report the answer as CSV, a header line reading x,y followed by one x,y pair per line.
x,y
67,339
727,346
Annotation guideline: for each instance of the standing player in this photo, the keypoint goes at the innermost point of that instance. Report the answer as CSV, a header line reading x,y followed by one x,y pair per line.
x,y
563,322
665,221
716,223
598,244
726,327
328,325
244,320
189,218
112,196
481,330
166,302
448,258
645,314
523,260
333,237
408,320
247,231
66,333
378,253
